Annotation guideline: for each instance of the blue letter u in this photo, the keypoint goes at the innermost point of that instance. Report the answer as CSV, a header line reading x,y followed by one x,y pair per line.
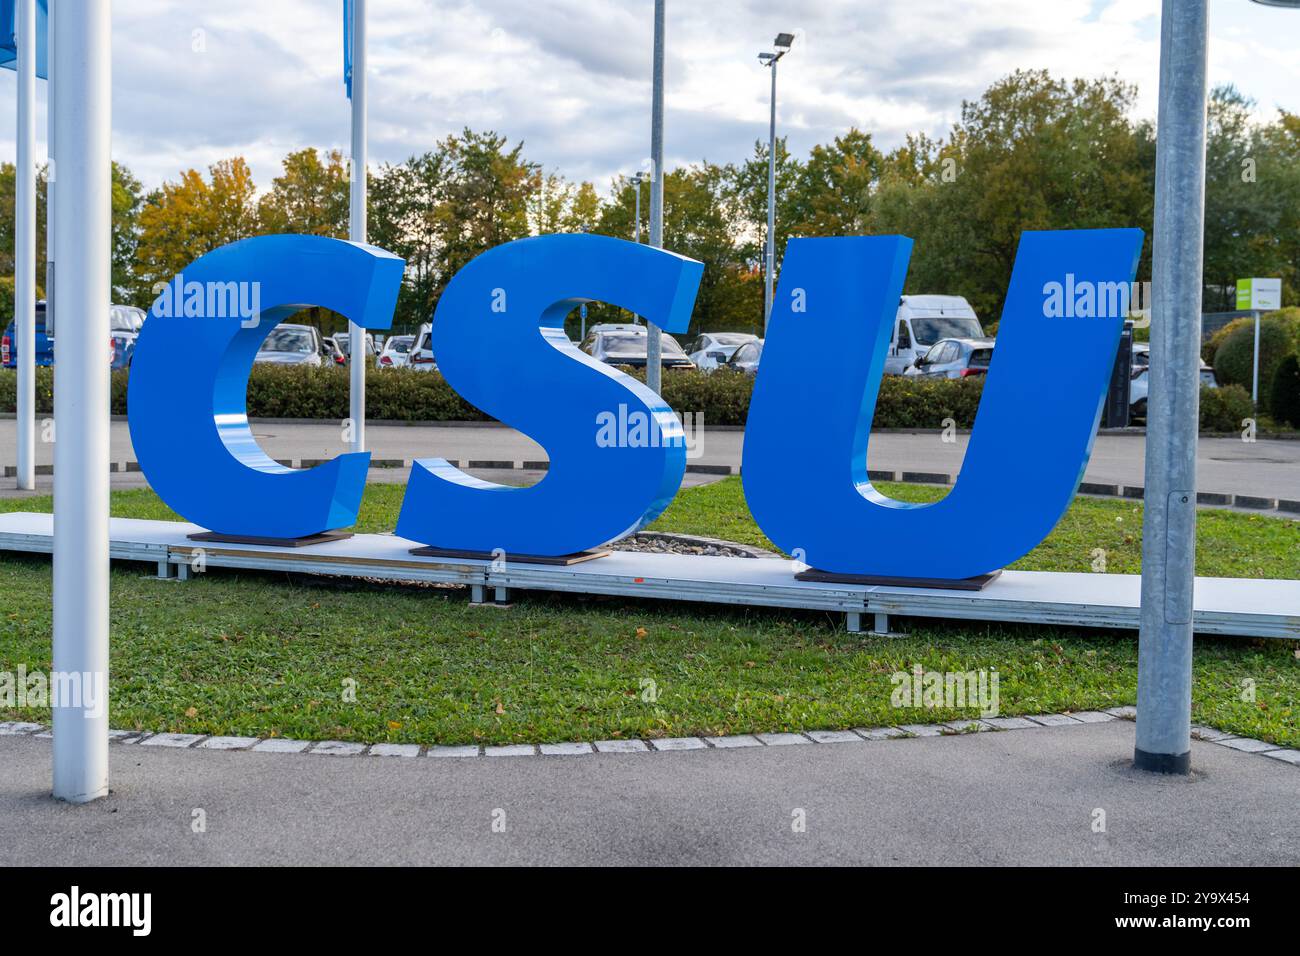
x,y
805,458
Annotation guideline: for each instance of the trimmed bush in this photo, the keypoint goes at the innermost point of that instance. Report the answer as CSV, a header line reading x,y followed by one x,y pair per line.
x,y
1234,358
1223,408
1285,397
276,391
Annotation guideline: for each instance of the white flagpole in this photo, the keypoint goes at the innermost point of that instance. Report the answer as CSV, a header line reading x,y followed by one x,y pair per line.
x,y
357,223
82,63
25,243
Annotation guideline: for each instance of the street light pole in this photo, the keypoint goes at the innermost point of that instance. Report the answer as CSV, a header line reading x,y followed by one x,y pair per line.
x,y
1169,523
782,43
25,242
653,356
357,223
83,65
637,180
769,268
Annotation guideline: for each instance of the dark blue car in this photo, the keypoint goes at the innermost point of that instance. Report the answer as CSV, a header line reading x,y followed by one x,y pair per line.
x,y
44,344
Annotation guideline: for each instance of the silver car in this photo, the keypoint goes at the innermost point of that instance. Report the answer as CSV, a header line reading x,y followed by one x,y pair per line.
x,y
628,344
953,358
715,349
292,345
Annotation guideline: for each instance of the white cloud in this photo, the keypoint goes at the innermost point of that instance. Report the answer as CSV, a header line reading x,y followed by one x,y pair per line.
x,y
572,77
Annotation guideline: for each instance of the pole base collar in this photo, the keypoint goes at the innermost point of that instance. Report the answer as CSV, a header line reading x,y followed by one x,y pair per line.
x,y
1162,763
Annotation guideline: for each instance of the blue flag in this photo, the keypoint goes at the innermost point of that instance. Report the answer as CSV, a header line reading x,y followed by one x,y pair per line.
x,y
347,43
9,43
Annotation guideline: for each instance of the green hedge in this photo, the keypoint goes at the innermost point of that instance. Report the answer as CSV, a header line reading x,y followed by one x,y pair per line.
x,y
1233,349
722,396
1285,398
1224,408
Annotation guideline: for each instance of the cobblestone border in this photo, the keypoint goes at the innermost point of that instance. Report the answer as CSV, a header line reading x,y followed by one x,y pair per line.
x,y
338,748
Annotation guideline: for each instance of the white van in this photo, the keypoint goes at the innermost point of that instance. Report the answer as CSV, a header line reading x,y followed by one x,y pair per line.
x,y
925,319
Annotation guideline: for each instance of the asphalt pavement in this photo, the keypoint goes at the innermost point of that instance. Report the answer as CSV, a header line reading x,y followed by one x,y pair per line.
x,y
1268,468
1010,797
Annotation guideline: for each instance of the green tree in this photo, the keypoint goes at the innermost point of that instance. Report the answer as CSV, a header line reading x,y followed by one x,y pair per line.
x,y
403,202
182,220
311,196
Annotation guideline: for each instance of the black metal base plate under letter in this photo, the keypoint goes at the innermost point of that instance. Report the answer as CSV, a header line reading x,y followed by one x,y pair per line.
x,y
303,542
977,583
560,560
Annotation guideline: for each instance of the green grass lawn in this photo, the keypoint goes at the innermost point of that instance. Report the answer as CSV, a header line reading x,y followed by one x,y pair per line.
x,y
262,654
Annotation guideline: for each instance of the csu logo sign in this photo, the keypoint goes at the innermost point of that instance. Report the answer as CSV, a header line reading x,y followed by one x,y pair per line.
x,y
498,333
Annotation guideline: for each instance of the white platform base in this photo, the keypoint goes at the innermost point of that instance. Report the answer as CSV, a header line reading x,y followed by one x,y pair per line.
x,y
1231,606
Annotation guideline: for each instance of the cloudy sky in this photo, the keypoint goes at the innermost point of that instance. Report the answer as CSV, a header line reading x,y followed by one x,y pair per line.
x,y
195,81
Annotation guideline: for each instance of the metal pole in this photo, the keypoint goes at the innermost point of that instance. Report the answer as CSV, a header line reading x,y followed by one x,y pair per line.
x,y
51,174
25,243
1169,528
653,354
636,228
357,223
1254,379
770,270
82,63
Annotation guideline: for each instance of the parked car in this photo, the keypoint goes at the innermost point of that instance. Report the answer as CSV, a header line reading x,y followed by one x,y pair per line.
x,y
44,344
715,349
923,320
341,340
745,358
628,344
396,351
293,345
332,352
954,358
124,328
1140,383
421,355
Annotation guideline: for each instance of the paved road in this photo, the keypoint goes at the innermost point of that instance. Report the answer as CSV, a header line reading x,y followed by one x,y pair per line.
x,y
1015,797
1265,468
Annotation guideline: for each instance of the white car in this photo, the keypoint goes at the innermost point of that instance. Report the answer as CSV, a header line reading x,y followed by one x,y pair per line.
x,y
341,340
396,351
921,321
421,357
715,349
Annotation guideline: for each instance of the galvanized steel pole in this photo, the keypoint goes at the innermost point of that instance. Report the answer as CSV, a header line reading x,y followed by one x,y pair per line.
x,y
770,265
653,352
1169,526
357,224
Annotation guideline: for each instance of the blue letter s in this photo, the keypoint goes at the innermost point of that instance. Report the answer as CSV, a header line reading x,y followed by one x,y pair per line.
x,y
488,345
